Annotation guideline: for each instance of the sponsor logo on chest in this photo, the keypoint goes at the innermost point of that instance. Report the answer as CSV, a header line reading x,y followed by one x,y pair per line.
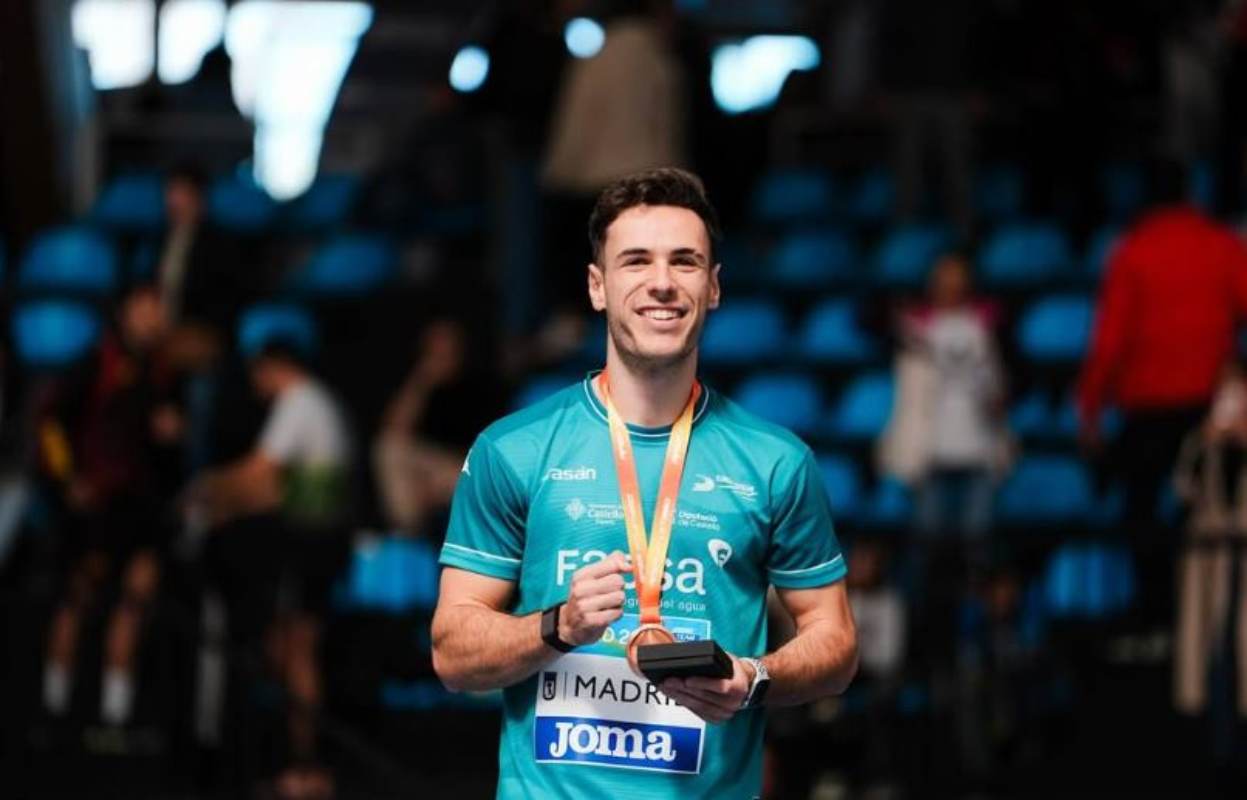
x,y
571,474
592,710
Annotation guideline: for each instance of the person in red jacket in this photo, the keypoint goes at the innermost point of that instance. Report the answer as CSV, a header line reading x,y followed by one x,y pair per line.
x,y
1175,289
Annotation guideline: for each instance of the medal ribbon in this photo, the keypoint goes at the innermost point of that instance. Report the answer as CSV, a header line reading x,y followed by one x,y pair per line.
x,y
649,558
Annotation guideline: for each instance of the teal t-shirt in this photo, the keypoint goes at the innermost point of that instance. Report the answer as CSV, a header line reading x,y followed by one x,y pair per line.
x,y
538,499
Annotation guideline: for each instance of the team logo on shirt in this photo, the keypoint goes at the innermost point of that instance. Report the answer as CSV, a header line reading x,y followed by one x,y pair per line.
x,y
581,473
720,551
575,509
549,685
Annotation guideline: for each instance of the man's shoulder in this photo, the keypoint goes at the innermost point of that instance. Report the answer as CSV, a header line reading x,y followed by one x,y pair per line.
x,y
763,440
537,422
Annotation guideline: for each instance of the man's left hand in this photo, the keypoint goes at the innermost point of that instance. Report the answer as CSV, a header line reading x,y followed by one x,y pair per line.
x,y
712,699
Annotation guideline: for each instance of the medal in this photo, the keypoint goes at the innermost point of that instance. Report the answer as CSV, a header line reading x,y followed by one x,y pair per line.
x,y
649,554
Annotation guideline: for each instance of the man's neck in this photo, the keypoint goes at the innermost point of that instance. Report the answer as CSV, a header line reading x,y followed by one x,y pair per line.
x,y
651,399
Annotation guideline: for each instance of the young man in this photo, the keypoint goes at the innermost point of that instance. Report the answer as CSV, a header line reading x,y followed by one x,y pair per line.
x,y
537,596
279,517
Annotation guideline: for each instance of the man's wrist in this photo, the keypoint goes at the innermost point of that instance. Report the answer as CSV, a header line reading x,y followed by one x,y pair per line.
x,y
552,632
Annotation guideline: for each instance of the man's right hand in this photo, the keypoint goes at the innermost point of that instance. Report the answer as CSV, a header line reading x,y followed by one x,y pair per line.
x,y
595,600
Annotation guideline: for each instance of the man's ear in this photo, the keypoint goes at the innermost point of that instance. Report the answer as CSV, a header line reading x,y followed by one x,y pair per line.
x,y
597,288
714,286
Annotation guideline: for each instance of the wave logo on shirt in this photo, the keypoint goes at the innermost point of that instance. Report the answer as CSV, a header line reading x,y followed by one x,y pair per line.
x,y
617,743
707,483
720,551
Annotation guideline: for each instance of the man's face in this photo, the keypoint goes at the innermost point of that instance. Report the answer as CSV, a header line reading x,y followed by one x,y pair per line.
x,y
656,284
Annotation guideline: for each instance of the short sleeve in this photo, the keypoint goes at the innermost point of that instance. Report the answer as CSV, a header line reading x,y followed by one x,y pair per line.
x,y
487,516
804,550
280,438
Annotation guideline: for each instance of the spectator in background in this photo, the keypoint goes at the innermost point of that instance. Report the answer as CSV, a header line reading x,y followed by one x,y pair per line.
x,y
1175,288
1232,171
1212,478
882,626
14,486
200,281
279,517
107,442
619,112
946,435
927,72
428,427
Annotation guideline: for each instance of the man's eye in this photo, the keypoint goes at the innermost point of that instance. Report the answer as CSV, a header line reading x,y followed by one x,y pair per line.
x,y
635,262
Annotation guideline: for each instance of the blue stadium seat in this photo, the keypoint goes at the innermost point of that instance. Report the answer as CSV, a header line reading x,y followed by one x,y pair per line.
x,y
1056,328
864,407
348,265
888,506
793,196
325,205
1031,417
1065,421
69,259
743,332
830,334
1088,581
873,197
394,575
1046,490
268,322
1124,188
1000,192
843,484
907,254
1024,255
792,400
237,203
539,388
53,333
812,260
132,202
1099,250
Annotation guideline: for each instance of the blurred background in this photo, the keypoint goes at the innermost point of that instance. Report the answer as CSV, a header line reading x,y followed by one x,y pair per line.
x,y
268,266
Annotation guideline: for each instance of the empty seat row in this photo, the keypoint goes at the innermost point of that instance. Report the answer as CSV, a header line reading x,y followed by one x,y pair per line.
x,y
49,334
1020,256
803,195
1042,490
82,260
1054,329
134,202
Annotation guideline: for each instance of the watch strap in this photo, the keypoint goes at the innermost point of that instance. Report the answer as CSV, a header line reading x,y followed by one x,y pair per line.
x,y
550,629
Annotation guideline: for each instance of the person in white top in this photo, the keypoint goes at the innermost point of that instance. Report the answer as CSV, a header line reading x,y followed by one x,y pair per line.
x,y
285,503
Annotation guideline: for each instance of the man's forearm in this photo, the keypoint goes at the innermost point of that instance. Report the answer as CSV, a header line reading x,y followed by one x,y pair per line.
x,y
819,661
476,648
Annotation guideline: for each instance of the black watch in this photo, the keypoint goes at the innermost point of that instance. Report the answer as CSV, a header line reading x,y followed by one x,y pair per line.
x,y
550,629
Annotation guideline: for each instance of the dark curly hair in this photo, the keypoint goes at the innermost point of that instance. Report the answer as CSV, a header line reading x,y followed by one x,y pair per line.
x,y
665,186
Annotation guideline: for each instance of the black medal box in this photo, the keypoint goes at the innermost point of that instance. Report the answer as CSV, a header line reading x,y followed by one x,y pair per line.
x,y
703,658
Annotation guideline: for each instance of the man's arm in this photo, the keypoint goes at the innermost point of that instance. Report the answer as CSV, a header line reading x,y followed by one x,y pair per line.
x,y
820,660
477,645
248,486
1108,342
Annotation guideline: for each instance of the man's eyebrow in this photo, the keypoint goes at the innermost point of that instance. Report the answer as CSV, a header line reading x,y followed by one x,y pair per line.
x,y
633,251
689,251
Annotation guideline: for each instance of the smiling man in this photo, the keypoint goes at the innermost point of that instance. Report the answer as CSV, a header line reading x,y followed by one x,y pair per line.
x,y
537,596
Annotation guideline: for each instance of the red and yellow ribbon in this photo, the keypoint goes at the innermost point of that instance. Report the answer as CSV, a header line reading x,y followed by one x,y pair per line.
x,y
649,554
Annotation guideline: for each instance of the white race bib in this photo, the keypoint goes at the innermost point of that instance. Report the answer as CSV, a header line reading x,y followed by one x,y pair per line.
x,y
592,709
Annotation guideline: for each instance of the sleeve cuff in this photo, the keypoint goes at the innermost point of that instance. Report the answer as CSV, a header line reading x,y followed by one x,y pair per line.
x,y
494,566
809,577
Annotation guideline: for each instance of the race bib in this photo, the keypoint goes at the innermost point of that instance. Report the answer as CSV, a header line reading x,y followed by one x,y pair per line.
x,y
592,709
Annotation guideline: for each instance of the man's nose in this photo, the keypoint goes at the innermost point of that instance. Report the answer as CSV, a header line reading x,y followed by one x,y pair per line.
x,y
661,281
